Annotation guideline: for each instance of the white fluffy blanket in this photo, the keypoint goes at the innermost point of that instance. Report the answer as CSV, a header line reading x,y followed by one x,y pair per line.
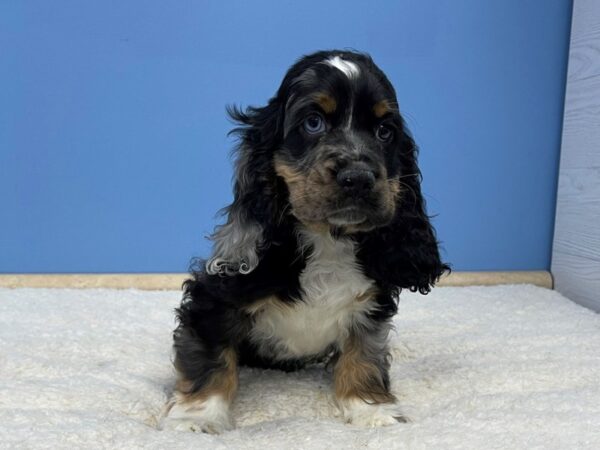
x,y
510,367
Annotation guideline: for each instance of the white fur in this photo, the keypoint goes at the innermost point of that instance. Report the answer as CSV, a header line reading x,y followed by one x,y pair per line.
x,y
352,71
512,367
349,69
235,245
210,416
358,412
331,281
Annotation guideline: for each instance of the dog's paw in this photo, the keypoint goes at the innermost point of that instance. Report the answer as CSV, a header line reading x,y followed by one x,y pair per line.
x,y
207,416
358,412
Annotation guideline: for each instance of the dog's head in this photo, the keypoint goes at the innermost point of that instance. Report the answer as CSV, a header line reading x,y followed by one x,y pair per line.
x,y
332,151
340,143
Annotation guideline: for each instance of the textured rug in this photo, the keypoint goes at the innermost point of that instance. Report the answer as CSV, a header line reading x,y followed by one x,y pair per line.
x,y
511,367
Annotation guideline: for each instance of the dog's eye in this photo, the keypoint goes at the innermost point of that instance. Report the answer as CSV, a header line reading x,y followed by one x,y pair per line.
x,y
314,124
384,133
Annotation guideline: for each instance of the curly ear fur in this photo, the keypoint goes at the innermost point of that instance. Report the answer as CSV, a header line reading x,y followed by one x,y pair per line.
x,y
238,242
405,253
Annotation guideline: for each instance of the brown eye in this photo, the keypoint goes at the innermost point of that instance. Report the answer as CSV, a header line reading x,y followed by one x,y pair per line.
x,y
384,133
314,124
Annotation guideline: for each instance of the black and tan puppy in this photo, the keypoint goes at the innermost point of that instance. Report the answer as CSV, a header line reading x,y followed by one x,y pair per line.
x,y
326,227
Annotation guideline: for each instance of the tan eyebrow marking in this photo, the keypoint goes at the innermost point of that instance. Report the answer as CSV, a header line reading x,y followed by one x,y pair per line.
x,y
382,108
327,102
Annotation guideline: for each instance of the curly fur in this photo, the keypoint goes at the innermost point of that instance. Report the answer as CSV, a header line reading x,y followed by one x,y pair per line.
x,y
265,263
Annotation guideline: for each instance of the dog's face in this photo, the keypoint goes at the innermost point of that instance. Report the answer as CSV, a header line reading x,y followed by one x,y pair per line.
x,y
331,151
339,155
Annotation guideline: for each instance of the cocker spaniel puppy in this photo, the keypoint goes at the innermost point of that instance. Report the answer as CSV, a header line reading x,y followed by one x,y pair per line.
x,y
326,227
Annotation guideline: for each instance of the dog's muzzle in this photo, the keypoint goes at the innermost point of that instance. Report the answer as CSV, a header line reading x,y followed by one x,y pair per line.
x,y
356,181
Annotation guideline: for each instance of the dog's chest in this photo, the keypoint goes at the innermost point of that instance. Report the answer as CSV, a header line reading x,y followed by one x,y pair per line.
x,y
334,297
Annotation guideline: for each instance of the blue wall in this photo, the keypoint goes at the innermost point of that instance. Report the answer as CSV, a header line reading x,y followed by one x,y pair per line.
x,y
113,147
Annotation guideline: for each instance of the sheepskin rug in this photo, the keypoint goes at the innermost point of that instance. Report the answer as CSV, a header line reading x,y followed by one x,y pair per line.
x,y
511,367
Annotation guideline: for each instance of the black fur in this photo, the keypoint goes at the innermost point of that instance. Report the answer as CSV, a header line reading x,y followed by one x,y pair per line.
x,y
400,254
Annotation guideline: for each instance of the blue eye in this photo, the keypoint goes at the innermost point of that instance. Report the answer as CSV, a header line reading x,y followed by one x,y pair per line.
x,y
314,124
384,133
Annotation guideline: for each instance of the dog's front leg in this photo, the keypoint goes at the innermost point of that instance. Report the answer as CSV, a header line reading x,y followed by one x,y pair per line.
x,y
361,379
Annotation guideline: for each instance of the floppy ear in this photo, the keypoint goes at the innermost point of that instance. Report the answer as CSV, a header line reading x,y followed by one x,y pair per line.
x,y
405,253
237,244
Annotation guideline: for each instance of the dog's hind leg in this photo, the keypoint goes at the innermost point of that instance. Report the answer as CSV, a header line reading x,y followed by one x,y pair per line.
x,y
202,403
206,357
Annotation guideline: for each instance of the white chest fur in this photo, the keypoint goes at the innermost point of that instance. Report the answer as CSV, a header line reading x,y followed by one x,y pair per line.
x,y
334,288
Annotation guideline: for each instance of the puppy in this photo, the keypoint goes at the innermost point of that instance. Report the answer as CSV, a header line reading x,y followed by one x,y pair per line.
x,y
326,227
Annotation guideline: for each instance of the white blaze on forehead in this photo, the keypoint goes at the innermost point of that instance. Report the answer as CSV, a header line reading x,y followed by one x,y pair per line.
x,y
347,67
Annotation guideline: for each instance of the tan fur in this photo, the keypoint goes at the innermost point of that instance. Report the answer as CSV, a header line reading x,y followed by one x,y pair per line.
x,y
355,377
310,192
223,382
393,192
318,227
290,176
381,108
326,102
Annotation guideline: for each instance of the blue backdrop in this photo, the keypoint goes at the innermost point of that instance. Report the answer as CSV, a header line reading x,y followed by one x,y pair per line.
x,y
113,147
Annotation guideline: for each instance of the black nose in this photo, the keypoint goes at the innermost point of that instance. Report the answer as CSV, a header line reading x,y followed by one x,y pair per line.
x,y
356,181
